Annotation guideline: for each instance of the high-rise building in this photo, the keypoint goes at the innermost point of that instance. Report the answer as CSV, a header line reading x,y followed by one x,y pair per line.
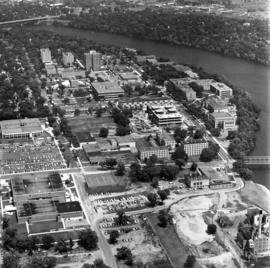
x,y
93,60
68,58
45,55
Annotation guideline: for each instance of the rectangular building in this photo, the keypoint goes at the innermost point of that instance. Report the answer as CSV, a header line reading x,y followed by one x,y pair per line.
x,y
149,148
181,84
196,181
67,58
221,90
107,91
45,55
194,147
93,60
164,115
166,139
20,128
223,120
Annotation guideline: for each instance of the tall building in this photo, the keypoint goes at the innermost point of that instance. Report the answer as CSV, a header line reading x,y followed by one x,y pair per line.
x,y
93,60
46,56
68,58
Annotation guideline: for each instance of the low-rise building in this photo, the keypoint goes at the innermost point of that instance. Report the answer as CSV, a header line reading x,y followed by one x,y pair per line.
x,y
20,128
107,91
194,147
166,139
215,104
71,74
130,78
180,84
223,120
221,90
45,54
164,115
147,148
196,181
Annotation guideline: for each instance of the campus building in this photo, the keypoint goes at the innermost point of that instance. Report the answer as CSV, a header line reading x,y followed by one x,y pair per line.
x,y
221,90
254,237
67,58
40,198
180,84
70,73
20,128
92,60
164,115
148,147
166,139
130,78
45,55
196,181
194,147
223,120
107,91
215,104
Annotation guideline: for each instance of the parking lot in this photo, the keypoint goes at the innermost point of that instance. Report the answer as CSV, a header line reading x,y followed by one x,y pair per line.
x,y
124,203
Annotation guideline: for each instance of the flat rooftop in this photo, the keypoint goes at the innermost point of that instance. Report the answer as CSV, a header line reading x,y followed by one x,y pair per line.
x,y
221,115
163,112
129,76
20,126
107,88
68,207
144,145
35,184
220,86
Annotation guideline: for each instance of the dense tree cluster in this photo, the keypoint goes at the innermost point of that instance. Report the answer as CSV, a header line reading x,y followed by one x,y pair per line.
x,y
225,35
88,239
149,173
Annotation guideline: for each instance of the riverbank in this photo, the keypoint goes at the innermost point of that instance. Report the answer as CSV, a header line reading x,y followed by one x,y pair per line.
x,y
252,77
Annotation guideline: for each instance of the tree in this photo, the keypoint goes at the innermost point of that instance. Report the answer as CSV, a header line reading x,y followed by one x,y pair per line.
x,y
155,182
66,100
190,261
47,241
162,194
193,166
99,112
152,197
211,229
152,160
120,169
110,162
163,218
121,219
40,261
113,237
98,263
125,254
103,132
122,131
180,134
179,153
71,243
88,239
77,112
246,173
10,260
169,172
198,134
61,246
180,163
5,223
215,132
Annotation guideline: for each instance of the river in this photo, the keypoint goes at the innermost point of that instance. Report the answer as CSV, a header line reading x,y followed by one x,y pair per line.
x,y
252,77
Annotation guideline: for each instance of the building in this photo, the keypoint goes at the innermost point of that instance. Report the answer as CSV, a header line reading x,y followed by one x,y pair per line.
x,y
221,90
126,143
20,128
181,84
67,58
45,55
194,147
204,83
143,58
254,237
196,181
164,115
149,147
50,69
93,60
40,198
130,78
107,91
214,104
223,120
166,139
36,187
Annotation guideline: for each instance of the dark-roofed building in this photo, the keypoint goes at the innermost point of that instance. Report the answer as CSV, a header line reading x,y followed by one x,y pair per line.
x,y
69,209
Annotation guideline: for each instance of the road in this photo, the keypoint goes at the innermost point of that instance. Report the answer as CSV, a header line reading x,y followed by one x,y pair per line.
x,y
29,19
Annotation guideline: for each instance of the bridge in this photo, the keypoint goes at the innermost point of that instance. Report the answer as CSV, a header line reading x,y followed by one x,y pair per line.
x,y
257,160
29,20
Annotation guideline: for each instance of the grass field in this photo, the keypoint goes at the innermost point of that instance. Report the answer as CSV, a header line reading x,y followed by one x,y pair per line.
x,y
41,227
90,124
175,249
104,182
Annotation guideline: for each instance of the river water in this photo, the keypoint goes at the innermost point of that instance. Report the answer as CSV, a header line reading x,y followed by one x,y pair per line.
x,y
252,77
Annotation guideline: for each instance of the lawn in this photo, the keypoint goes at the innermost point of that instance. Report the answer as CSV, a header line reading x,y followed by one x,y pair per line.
x,y
47,226
176,250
